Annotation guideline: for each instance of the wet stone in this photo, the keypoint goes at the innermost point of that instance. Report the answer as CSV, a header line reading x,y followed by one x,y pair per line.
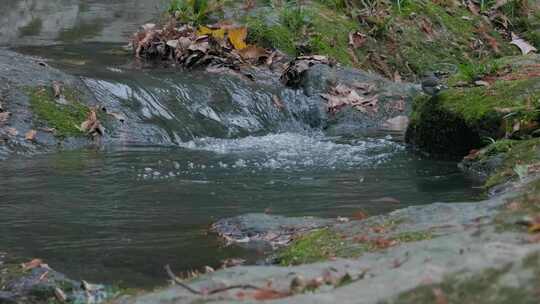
x,y
275,230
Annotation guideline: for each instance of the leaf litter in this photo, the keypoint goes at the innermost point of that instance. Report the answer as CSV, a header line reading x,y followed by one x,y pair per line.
x,y
342,95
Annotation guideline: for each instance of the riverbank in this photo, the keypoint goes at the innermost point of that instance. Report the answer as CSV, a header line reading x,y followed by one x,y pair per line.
x,y
459,252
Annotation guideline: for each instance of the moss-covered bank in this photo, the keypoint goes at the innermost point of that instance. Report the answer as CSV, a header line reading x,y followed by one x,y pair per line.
x,y
468,116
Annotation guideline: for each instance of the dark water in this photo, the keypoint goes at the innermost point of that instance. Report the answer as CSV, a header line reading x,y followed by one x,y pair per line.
x,y
121,214
118,214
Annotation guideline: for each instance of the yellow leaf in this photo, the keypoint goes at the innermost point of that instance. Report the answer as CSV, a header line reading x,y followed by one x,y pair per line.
x,y
534,228
237,37
217,33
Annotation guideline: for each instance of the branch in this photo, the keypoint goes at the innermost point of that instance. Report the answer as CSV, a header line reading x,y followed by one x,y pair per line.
x,y
177,281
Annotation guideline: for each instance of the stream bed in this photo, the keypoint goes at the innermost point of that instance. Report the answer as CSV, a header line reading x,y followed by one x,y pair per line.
x,y
207,148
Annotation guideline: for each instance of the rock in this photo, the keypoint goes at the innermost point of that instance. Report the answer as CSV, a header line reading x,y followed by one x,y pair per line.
x,y
463,118
41,283
259,227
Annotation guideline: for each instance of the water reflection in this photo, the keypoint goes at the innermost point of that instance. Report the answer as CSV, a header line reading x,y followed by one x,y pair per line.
x,y
39,22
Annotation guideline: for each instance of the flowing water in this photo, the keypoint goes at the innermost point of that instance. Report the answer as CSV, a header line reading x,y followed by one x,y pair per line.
x,y
197,148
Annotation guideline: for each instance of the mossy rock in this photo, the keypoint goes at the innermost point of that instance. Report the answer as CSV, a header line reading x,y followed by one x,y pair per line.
x,y
436,130
64,118
461,119
501,161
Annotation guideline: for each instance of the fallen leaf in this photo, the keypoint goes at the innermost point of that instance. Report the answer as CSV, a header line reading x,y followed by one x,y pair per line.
x,y
342,219
357,39
440,298
12,131
382,243
278,102
342,95
231,262
32,264
473,8
397,77
269,294
148,26
60,295
173,43
92,126
4,116
200,44
481,83
359,215
237,37
30,135
216,33
57,89
523,45
252,52
378,229
473,154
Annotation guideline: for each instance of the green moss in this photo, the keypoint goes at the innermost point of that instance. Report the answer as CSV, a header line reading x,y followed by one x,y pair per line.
x,y
475,103
461,119
515,152
315,246
63,118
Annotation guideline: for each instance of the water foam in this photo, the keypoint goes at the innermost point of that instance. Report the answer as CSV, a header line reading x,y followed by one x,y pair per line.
x,y
292,150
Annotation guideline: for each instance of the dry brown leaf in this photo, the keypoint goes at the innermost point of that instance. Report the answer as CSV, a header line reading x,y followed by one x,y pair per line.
x,y
359,215
252,52
92,125
278,102
357,39
32,264
30,135
201,45
60,295
237,37
12,131
269,294
523,45
57,89
4,116
475,10
342,95
440,298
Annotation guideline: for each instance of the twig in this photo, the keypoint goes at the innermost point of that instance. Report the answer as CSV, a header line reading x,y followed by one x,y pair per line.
x,y
210,292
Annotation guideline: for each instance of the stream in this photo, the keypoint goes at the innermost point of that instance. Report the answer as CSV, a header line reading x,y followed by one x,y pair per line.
x,y
208,148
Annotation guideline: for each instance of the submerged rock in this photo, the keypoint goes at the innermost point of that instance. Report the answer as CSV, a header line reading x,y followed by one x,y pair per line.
x,y
275,230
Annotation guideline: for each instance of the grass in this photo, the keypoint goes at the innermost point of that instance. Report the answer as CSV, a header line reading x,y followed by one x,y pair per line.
x,y
63,118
